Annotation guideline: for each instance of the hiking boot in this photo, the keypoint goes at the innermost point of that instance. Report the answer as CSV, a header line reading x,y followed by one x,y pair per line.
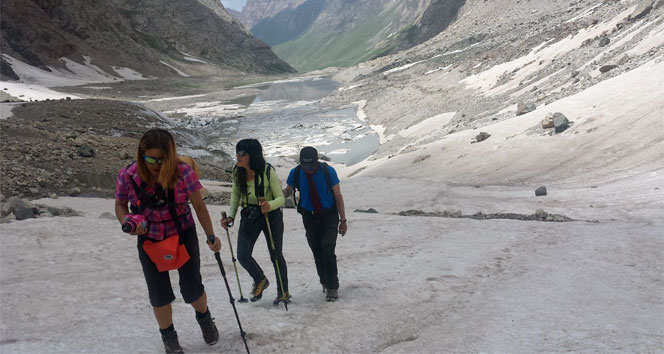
x,y
285,298
171,344
209,329
257,291
332,295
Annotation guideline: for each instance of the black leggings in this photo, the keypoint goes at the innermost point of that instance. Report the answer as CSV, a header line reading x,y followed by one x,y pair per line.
x,y
247,236
159,283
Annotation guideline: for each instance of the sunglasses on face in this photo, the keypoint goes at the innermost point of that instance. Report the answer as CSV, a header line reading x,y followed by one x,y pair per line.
x,y
152,161
241,153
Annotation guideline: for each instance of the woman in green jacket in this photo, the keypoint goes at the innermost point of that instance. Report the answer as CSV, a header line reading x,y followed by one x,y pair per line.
x,y
258,189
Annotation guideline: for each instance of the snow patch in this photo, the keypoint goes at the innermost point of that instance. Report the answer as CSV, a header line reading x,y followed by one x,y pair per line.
x,y
189,57
176,70
128,73
28,92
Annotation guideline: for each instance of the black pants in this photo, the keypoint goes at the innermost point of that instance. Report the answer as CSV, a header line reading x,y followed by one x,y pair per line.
x,y
322,238
246,239
159,283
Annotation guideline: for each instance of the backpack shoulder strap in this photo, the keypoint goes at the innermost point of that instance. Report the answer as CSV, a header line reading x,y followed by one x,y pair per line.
x,y
326,173
296,177
138,190
174,215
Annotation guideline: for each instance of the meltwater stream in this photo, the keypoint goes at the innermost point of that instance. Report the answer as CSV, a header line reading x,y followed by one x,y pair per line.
x,y
288,116
285,117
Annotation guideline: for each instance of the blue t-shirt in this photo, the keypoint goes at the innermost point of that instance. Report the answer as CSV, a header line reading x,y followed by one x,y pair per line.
x,y
326,196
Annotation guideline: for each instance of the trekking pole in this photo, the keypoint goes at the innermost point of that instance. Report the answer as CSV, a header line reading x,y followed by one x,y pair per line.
x,y
230,245
230,295
276,262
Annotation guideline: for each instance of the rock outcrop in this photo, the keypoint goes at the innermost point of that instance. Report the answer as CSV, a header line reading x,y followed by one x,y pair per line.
x,y
150,37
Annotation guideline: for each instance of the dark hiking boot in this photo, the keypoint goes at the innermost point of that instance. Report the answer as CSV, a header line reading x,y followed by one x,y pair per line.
x,y
257,291
171,344
282,298
332,295
209,329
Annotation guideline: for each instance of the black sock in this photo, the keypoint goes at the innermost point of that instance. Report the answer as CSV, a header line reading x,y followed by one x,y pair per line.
x,y
167,330
200,315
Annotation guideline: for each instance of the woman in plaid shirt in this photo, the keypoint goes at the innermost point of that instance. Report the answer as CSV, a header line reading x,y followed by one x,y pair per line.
x,y
158,171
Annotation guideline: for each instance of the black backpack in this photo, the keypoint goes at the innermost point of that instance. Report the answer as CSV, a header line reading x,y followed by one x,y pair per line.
x,y
296,182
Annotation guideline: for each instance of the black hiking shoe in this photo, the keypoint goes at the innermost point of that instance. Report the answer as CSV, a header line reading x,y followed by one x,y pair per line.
x,y
209,329
171,344
285,298
257,291
332,295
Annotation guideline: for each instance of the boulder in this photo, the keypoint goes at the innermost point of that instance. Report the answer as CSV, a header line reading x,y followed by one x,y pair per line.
x,y
642,9
370,211
482,136
6,209
623,60
607,68
86,151
523,108
604,41
540,191
547,122
22,209
560,122
54,211
108,216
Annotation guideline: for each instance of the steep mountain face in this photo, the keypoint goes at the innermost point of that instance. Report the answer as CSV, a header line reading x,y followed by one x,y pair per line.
x,y
289,23
344,32
150,37
435,19
256,10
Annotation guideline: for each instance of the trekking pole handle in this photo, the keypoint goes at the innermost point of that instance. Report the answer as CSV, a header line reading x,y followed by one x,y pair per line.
x,y
224,216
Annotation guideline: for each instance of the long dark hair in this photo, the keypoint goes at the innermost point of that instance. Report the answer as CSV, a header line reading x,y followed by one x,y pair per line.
x,y
163,140
256,162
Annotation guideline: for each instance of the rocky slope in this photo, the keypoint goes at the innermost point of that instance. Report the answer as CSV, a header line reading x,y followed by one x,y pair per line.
x,y
150,37
535,58
77,147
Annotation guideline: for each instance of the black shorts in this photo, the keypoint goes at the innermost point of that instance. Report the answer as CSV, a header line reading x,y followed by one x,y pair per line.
x,y
159,283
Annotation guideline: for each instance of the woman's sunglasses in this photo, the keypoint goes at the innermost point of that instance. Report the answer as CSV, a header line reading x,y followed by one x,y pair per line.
x,y
241,153
152,160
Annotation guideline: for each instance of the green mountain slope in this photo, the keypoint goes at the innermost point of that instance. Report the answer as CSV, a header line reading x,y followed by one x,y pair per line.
x,y
318,49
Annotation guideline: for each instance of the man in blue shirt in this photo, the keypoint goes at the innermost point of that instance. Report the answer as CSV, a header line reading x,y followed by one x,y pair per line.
x,y
322,207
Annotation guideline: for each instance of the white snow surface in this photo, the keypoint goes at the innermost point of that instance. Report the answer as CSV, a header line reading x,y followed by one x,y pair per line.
x,y
408,284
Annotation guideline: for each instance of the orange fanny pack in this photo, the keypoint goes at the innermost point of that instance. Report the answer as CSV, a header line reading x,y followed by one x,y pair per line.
x,y
166,254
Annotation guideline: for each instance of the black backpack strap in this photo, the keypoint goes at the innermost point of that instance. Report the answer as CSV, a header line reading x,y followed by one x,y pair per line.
x,y
174,215
296,183
136,209
326,173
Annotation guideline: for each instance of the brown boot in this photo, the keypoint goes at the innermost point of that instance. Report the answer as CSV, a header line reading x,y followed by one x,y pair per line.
x,y
257,291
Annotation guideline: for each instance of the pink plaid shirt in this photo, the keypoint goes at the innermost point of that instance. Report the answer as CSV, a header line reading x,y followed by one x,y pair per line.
x,y
160,223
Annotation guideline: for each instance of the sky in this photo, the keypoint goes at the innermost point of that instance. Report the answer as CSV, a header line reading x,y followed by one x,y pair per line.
x,y
234,4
